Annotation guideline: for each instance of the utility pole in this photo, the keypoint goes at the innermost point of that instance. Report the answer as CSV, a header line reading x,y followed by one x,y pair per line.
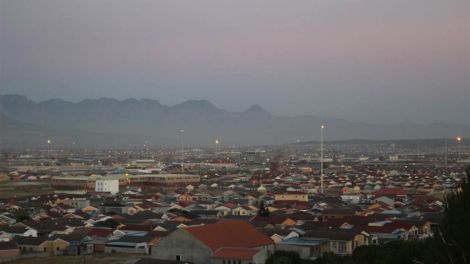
x,y
182,151
321,158
216,145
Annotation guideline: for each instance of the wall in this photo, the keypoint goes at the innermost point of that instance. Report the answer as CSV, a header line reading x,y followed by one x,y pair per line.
x,y
181,243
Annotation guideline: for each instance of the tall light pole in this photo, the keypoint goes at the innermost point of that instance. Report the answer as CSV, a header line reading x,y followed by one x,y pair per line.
x,y
459,141
216,145
49,148
182,151
321,158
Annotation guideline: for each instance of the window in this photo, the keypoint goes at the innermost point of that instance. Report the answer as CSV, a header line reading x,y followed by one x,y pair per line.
x,y
334,244
179,258
342,247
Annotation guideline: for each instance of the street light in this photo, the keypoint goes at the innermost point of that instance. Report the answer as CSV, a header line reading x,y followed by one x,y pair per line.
x,y
49,142
182,151
459,141
321,158
216,145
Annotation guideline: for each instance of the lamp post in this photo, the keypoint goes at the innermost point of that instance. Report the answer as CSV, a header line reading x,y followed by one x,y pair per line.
x,y
321,158
182,150
216,145
459,141
49,142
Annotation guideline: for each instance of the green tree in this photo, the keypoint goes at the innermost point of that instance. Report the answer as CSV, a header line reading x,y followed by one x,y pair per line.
x,y
284,257
111,223
454,231
263,211
22,217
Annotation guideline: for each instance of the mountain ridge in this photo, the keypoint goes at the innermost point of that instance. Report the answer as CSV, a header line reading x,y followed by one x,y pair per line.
x,y
132,121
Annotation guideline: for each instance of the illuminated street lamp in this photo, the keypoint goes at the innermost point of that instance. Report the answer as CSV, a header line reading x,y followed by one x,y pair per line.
x,y
49,142
459,141
182,150
322,127
216,145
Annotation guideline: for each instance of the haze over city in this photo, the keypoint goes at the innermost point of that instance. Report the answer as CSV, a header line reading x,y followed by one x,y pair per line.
x,y
367,61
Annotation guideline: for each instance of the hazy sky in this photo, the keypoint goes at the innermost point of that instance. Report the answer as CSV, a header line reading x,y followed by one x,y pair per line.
x,y
375,61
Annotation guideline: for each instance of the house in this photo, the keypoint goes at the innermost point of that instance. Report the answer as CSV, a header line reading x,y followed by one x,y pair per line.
x,y
19,230
207,214
234,255
244,210
9,249
224,209
273,221
6,218
116,207
131,244
79,244
5,237
341,241
292,196
306,248
53,246
78,203
198,244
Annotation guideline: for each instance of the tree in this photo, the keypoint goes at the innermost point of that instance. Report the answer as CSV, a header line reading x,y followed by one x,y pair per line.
x,y
454,231
263,211
111,223
284,257
22,217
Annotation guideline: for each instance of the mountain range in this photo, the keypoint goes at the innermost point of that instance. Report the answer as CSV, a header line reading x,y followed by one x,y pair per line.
x,y
107,122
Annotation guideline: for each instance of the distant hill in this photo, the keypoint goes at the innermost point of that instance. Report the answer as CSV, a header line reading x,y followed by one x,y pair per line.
x,y
108,122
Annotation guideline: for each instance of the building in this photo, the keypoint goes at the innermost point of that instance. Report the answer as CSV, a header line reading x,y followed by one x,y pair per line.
x,y
227,241
8,250
78,203
88,183
341,242
131,244
52,246
107,186
291,196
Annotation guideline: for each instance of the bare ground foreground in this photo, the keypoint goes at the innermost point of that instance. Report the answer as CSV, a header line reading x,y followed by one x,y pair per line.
x,y
95,259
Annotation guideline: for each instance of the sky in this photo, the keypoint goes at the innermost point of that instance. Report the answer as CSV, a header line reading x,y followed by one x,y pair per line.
x,y
376,61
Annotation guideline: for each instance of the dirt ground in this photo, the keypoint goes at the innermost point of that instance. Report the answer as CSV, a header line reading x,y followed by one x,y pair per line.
x,y
89,259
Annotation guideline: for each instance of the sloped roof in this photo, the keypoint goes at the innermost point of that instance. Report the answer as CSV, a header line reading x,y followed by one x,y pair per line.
x,y
229,233
391,192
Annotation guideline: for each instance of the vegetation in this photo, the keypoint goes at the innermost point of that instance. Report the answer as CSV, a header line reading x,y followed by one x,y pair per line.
x,y
284,257
263,211
22,216
111,223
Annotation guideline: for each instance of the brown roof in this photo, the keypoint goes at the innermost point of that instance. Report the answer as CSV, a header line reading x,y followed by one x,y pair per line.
x,y
229,233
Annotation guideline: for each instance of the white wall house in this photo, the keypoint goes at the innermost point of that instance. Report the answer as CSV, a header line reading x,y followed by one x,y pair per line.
x,y
107,186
